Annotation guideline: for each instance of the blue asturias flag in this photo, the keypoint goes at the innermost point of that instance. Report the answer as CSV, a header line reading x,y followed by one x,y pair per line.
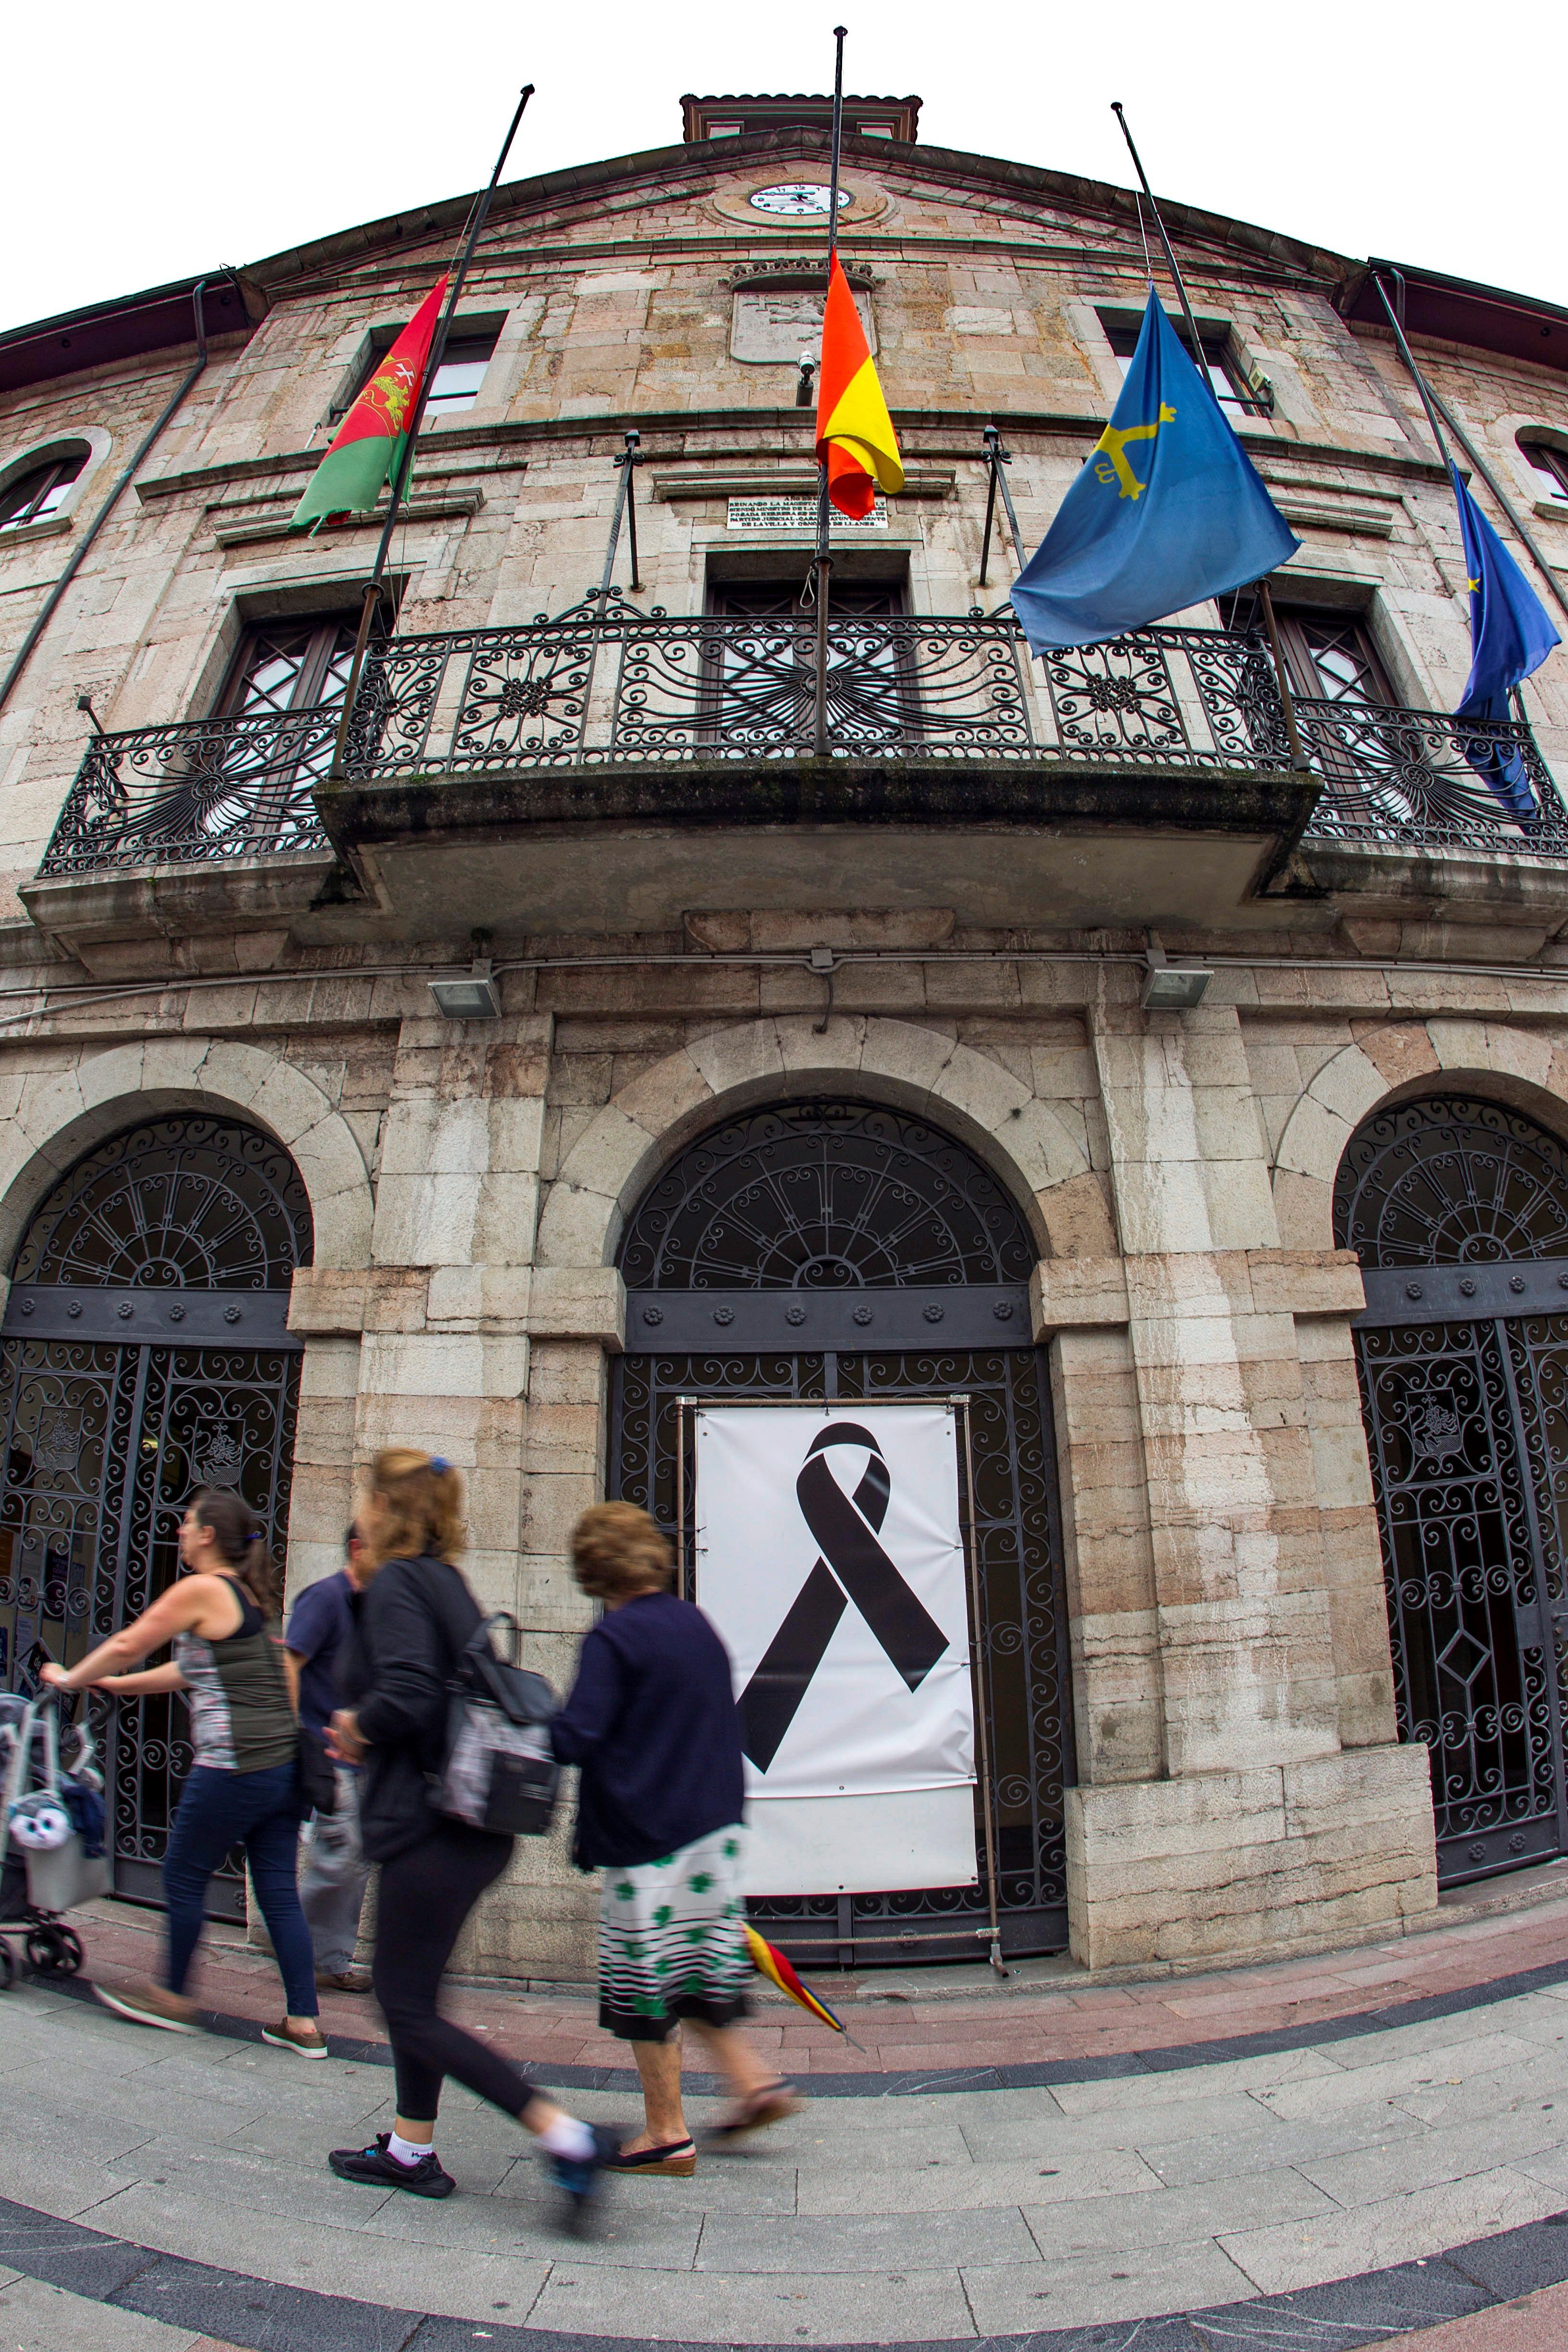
x,y
1510,636
1167,511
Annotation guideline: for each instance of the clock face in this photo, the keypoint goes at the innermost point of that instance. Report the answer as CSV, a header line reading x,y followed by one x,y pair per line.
x,y
797,198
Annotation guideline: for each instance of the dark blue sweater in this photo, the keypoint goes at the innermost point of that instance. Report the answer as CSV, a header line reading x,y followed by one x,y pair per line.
x,y
652,1722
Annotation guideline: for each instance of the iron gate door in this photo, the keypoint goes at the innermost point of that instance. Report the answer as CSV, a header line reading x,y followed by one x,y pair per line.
x,y
123,1387
835,1251
1459,1212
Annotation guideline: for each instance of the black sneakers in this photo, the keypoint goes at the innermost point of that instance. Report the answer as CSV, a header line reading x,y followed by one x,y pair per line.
x,y
376,2169
583,2177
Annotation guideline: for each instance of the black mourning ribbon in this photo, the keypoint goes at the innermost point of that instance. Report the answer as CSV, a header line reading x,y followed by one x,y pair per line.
x,y
852,1565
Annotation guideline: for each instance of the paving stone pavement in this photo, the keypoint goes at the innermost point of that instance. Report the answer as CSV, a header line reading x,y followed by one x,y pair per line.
x,y
916,2217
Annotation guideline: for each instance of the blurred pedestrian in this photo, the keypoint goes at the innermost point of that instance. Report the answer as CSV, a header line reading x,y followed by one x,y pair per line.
x,y
653,1724
411,1619
333,1871
223,1617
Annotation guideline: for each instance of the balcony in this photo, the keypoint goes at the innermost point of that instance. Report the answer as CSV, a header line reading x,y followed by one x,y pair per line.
x,y
609,715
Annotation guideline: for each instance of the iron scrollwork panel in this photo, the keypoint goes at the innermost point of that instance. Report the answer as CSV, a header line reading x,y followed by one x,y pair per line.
x,y
67,1412
1471,1632
104,1446
1017,1554
209,1417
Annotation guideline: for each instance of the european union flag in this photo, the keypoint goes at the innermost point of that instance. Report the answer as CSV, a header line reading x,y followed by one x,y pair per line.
x,y
1509,636
1167,511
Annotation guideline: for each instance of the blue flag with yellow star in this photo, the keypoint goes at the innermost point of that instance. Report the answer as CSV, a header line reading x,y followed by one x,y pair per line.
x,y
1167,511
1510,636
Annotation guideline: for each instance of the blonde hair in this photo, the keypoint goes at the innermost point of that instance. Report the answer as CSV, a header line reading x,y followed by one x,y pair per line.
x,y
616,1550
423,1496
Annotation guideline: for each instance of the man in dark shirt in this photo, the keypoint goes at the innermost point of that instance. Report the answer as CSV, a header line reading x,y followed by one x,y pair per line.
x,y
333,1871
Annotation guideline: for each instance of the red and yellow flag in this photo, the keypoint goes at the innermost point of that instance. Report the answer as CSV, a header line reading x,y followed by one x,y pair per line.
x,y
373,435
770,1962
854,431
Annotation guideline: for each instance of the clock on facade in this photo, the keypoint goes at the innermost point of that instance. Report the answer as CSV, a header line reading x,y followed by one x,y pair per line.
x,y
797,197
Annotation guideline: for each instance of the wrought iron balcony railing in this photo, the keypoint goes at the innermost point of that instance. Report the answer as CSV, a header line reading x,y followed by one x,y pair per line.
x,y
206,790
606,684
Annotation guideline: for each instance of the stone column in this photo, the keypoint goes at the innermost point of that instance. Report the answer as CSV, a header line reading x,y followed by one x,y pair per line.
x,y
1258,1830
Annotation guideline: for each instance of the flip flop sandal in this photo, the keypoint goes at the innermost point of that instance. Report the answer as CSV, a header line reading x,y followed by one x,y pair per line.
x,y
676,2160
764,2107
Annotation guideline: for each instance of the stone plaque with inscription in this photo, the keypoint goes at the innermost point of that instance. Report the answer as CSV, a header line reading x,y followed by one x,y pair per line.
x,y
772,325
797,514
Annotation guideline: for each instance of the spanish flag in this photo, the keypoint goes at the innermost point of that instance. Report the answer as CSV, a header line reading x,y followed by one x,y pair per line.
x,y
770,1962
854,431
373,435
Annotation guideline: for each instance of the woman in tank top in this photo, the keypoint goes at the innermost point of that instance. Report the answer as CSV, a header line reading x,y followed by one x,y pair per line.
x,y
222,1618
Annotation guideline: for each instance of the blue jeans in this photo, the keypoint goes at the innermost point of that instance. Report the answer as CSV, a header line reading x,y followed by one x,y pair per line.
x,y
262,1811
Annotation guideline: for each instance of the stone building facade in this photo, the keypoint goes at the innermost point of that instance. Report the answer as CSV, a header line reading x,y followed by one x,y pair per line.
x,y
933,949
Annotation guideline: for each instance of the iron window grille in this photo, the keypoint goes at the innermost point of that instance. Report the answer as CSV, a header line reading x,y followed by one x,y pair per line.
x,y
144,1352
1458,1210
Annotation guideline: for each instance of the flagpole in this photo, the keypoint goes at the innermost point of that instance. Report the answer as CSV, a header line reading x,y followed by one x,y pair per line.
x,y
1430,402
1292,732
477,219
823,559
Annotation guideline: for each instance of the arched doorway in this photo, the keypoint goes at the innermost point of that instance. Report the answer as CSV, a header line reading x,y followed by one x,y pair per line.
x,y
1458,1210
143,1352
835,1250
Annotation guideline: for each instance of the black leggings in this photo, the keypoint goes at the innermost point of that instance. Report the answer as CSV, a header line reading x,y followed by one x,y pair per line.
x,y
427,1892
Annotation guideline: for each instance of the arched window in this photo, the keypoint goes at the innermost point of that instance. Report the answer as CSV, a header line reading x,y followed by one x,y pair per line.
x,y
831,1250
144,1352
38,491
1549,466
1458,1208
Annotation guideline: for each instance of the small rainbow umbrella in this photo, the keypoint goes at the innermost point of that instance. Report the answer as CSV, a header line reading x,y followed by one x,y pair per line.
x,y
770,1962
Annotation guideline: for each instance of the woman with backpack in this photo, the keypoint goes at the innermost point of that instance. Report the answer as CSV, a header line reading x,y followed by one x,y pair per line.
x,y
412,1618
222,1615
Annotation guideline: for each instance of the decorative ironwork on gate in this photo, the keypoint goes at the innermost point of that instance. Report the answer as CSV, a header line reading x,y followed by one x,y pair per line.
x,y
143,1353
1466,1416
846,1217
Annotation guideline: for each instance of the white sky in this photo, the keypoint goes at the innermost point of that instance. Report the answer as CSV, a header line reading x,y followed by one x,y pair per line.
x,y
151,141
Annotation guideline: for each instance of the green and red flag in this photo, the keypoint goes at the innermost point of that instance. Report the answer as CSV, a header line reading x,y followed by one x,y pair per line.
x,y
373,437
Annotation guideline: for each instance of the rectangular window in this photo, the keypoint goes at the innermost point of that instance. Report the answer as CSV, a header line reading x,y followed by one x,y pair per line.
x,y
299,664
1329,656
469,348
1230,385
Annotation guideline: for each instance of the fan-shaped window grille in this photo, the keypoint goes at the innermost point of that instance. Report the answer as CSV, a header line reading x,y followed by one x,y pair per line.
x,y
1450,1180
176,1203
825,1196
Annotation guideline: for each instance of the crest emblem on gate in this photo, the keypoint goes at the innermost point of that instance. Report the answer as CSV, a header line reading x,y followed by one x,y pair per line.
x,y
218,1457
1437,1429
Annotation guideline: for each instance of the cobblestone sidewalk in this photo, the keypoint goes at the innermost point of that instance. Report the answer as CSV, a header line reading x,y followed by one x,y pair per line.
x,y
1342,2193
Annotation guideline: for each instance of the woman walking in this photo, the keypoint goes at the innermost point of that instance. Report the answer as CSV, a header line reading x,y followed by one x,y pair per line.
x,y
652,1722
243,1788
412,1616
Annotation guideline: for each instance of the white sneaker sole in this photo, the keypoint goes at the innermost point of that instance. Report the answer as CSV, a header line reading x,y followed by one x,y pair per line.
x,y
287,2042
136,2015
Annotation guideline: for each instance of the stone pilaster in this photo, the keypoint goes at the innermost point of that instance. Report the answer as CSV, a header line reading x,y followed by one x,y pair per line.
x,y
1260,1832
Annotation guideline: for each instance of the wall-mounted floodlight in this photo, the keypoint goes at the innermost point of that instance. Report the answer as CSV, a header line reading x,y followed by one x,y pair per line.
x,y
1172,987
475,998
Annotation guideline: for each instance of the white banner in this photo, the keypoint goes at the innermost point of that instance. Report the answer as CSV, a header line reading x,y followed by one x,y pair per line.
x,y
829,1556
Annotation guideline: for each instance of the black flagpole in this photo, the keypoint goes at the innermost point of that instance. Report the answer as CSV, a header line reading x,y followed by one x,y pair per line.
x,y
1292,732
823,559
437,350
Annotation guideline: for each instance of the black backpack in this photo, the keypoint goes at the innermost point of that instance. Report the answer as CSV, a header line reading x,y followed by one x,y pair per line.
x,y
497,1770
